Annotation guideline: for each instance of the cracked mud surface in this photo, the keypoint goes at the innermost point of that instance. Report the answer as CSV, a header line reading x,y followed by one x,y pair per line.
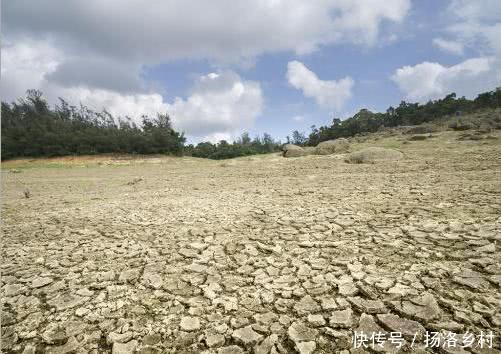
x,y
263,255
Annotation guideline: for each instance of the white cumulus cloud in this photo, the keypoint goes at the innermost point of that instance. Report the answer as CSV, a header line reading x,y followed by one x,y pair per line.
x,y
220,103
475,25
432,80
449,46
327,93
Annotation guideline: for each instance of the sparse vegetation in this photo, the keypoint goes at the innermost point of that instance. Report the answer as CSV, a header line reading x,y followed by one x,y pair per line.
x,y
243,146
406,113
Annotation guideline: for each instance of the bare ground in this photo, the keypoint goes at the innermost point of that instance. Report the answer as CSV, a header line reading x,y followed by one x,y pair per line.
x,y
261,254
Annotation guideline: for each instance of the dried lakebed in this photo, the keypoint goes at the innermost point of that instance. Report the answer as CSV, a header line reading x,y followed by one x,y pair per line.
x,y
259,255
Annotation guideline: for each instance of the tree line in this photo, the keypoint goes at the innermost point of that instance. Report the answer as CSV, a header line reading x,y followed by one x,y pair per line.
x,y
31,128
406,113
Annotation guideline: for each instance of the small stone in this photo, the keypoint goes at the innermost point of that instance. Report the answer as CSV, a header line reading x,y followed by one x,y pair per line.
x,y
54,334
266,318
341,319
408,328
114,337
316,320
214,340
448,326
306,305
306,347
424,308
188,253
152,339
152,280
368,306
348,289
246,336
85,292
299,332
66,301
489,248
232,349
38,282
266,345
124,348
190,323
471,279
13,289
129,276
328,303
82,311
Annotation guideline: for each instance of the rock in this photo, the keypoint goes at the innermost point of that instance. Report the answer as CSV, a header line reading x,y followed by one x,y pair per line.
x,y
446,325
129,276
66,301
106,276
190,323
291,150
424,308
152,339
13,289
82,311
232,349
214,340
328,303
152,280
306,305
408,328
277,250
266,318
336,146
54,334
316,320
489,248
471,279
373,155
85,292
188,252
38,282
299,332
124,348
306,347
369,327
347,289
114,337
266,345
368,306
246,336
309,150
8,318
341,319
400,290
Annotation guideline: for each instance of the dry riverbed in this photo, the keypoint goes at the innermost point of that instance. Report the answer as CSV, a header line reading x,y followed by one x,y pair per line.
x,y
253,255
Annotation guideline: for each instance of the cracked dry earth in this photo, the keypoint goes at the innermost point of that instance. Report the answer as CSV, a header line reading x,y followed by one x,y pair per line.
x,y
254,255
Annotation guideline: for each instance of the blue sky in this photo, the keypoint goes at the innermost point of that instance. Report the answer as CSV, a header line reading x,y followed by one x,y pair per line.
x,y
264,66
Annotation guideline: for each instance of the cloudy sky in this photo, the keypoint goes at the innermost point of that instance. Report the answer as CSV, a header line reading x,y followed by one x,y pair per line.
x,y
224,66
